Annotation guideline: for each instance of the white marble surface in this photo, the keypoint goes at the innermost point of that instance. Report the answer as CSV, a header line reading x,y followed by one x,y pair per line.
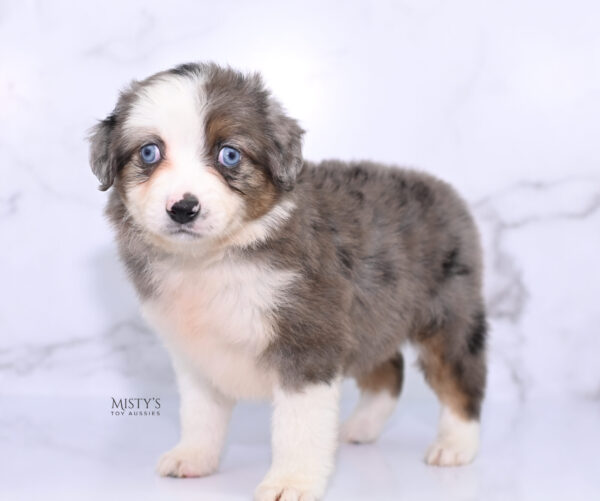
x,y
500,98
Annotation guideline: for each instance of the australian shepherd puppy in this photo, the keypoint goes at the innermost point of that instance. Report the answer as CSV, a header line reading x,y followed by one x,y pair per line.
x,y
268,276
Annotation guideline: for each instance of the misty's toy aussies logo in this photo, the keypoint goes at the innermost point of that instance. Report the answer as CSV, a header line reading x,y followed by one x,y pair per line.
x,y
135,406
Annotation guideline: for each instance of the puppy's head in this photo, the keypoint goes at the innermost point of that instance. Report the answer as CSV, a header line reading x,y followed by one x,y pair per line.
x,y
197,153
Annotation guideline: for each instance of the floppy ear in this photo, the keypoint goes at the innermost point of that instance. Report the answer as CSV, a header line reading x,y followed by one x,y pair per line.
x,y
285,156
102,160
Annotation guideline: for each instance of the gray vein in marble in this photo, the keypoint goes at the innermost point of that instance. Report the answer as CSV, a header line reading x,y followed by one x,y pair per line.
x,y
587,211
9,205
18,162
508,301
126,339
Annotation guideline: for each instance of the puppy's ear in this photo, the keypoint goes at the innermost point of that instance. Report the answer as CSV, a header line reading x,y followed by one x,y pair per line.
x,y
101,159
285,155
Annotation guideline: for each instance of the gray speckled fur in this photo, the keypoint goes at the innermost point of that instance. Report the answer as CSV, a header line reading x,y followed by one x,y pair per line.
x,y
386,255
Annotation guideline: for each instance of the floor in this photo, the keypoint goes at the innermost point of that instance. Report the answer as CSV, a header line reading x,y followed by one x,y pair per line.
x,y
74,449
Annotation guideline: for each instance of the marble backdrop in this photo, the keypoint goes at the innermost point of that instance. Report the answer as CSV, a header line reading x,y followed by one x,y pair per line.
x,y
502,99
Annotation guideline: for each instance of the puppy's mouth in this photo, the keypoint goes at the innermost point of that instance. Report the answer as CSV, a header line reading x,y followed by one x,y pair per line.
x,y
184,233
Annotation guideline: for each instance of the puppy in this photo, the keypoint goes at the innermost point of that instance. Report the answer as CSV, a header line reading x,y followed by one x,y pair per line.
x,y
271,277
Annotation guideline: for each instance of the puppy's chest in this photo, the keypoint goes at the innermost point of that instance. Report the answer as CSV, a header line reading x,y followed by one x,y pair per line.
x,y
221,318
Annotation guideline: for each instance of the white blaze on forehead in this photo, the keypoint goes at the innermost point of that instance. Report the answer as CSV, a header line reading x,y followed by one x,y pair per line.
x,y
172,107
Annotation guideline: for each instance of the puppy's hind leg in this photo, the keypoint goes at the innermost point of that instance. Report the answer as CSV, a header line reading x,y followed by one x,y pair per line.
x,y
454,366
379,392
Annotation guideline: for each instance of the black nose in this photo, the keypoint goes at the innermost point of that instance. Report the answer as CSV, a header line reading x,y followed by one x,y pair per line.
x,y
185,210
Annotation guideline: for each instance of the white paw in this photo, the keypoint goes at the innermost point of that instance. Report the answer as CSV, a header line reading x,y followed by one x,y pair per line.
x,y
359,430
457,442
287,489
187,461
447,453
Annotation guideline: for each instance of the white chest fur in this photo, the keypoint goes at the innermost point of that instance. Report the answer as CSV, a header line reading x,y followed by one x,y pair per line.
x,y
220,318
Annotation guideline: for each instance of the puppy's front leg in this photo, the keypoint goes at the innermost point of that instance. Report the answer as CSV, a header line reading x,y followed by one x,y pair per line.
x,y
204,416
305,432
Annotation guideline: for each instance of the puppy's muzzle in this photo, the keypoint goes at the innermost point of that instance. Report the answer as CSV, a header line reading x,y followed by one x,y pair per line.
x,y
184,210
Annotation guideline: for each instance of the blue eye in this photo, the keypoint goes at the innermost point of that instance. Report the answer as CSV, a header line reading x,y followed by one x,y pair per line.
x,y
229,157
150,153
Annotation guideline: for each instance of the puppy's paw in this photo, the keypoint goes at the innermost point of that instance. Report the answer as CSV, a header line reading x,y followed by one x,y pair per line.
x,y
187,461
443,453
288,489
360,431
457,442
454,449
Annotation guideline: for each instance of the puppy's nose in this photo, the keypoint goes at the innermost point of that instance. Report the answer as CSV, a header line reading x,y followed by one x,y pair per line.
x,y
184,210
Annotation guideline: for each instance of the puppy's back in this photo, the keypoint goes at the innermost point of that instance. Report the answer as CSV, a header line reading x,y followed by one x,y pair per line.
x,y
405,243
